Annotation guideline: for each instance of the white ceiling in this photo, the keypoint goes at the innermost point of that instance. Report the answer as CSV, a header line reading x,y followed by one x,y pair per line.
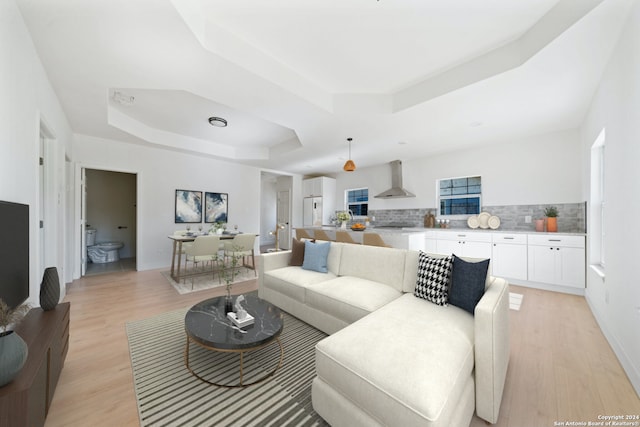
x,y
403,78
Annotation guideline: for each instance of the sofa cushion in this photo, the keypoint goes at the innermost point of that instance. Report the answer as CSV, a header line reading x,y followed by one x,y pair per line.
x,y
297,252
434,275
349,298
378,264
315,256
467,283
292,281
416,381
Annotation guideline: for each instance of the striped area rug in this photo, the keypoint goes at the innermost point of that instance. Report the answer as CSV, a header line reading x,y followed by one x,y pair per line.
x,y
168,395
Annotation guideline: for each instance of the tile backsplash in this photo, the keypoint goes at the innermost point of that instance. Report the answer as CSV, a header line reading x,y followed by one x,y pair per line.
x,y
571,217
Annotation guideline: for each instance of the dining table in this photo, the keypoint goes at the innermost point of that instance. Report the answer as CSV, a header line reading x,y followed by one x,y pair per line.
x,y
178,240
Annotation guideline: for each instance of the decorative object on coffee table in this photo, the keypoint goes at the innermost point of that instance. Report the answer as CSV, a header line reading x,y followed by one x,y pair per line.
x,y
229,272
551,213
207,325
50,289
13,349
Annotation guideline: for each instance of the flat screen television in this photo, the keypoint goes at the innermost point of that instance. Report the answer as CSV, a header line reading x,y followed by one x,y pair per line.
x,y
14,253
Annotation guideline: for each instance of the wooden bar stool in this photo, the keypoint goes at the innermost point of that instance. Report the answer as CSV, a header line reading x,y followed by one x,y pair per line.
x,y
373,239
344,237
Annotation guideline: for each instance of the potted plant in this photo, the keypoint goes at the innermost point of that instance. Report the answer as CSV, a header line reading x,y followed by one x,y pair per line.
x,y
13,349
343,217
551,212
229,272
218,227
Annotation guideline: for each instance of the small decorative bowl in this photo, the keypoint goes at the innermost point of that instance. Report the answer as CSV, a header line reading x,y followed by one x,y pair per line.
x,y
358,228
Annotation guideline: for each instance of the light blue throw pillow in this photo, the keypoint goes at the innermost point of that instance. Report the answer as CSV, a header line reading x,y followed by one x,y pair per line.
x,y
315,256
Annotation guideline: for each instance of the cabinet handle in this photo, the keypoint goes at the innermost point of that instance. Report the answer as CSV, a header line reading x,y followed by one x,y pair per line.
x,y
462,235
508,238
555,240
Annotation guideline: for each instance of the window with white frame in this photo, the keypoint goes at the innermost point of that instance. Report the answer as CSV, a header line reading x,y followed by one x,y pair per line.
x,y
357,201
459,197
597,223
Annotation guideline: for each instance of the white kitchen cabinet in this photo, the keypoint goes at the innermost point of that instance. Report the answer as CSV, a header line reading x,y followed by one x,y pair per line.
x,y
430,242
557,260
509,255
467,244
318,187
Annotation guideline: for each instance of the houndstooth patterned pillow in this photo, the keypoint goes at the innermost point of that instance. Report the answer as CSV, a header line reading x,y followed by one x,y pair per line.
x,y
434,276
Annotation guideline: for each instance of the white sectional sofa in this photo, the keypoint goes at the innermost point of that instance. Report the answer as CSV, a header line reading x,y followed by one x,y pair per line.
x,y
392,358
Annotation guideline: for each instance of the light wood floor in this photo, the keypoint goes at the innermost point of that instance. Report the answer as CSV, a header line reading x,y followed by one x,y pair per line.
x,y
561,368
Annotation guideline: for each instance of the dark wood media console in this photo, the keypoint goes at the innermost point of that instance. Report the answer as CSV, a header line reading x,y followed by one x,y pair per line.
x,y
25,401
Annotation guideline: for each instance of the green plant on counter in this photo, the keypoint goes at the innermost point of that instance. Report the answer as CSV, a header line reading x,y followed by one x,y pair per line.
x,y
343,216
551,212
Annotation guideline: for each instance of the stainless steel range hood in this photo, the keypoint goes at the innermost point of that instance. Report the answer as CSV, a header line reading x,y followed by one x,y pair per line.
x,y
396,191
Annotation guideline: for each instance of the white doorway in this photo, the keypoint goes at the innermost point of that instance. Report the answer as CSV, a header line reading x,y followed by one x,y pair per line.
x,y
109,210
275,208
284,219
50,206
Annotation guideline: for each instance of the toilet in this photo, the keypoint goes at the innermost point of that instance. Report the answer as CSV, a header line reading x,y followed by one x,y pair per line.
x,y
101,252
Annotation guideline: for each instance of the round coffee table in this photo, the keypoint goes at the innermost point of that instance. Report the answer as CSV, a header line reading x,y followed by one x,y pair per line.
x,y
207,325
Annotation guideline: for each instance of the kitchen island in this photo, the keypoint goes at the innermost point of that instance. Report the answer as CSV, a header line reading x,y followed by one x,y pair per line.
x,y
551,261
402,238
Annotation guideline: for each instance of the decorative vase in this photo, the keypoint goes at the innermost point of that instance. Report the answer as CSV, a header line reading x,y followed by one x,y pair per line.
x,y
343,225
13,355
552,224
50,289
219,231
228,304
539,224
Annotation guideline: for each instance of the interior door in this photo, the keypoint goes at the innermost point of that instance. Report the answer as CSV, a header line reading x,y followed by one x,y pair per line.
x,y
283,217
41,207
83,221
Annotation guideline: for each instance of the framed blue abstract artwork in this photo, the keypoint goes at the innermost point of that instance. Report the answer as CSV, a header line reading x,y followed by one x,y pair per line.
x,y
188,206
216,207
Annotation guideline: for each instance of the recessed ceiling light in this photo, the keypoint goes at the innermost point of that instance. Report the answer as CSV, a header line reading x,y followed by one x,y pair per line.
x,y
218,122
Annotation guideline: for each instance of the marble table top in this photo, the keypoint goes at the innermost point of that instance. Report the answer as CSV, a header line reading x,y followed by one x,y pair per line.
x,y
207,323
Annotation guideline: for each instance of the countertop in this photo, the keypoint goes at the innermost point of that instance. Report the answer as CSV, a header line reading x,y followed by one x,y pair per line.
x,y
412,230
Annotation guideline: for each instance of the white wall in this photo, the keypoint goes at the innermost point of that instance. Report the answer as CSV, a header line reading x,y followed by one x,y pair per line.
x,y
160,172
27,101
615,301
538,170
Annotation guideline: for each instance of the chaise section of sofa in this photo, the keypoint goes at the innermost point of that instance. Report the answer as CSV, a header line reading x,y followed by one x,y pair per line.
x,y
410,363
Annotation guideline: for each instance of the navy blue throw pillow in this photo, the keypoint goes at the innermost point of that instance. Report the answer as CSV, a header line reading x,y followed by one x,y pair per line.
x,y
467,283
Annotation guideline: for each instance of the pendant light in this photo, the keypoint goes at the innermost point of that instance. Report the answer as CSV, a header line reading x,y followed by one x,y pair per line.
x,y
349,166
